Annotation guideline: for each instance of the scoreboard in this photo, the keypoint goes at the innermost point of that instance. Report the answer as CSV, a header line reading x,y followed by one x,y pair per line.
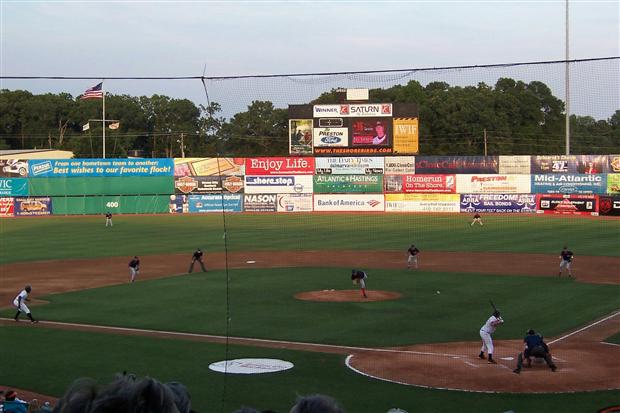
x,y
353,129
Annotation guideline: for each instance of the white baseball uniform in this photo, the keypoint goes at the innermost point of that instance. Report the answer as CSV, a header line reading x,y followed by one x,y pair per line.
x,y
485,333
21,305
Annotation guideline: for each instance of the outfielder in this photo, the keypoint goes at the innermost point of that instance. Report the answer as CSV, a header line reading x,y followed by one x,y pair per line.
x,y
485,334
477,219
19,302
197,257
566,257
108,219
413,256
134,268
359,278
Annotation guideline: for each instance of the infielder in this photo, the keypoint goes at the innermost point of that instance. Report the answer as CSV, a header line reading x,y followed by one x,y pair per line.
x,y
197,257
19,302
477,219
360,277
413,256
134,268
485,334
108,219
566,257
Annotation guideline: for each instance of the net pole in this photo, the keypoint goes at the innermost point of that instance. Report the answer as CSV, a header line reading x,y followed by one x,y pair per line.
x,y
567,80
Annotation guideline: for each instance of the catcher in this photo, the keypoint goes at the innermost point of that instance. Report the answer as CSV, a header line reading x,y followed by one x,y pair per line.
x,y
359,278
534,347
197,257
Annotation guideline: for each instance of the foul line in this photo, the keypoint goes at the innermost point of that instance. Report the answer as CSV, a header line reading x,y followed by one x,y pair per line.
x,y
238,340
584,328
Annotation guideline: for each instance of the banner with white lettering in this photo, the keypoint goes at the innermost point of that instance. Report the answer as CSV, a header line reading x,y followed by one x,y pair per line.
x,y
14,186
569,183
352,110
335,184
609,205
496,184
294,184
260,202
456,164
498,203
6,207
215,203
349,203
279,166
420,183
100,167
567,204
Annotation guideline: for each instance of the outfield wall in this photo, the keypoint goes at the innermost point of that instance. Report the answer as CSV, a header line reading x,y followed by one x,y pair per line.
x,y
559,184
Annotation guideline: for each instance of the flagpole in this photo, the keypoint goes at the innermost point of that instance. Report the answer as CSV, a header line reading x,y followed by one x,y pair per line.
x,y
103,120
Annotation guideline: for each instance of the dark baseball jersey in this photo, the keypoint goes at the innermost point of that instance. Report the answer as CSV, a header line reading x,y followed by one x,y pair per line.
x,y
198,255
108,215
476,216
566,255
358,275
413,250
135,263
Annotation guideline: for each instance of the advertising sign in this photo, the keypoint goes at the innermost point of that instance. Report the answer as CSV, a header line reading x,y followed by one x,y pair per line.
x,y
300,136
498,203
456,164
405,135
613,183
515,165
331,136
399,165
14,186
420,183
573,164
215,203
497,184
569,184
371,132
6,207
567,204
294,202
609,205
178,204
208,184
552,163
299,184
361,150
279,166
336,184
613,163
352,110
33,206
422,203
100,167
349,203
208,166
13,168
260,202
348,165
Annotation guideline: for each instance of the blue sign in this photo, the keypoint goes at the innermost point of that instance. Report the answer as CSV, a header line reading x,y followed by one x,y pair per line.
x,y
498,203
101,167
14,186
33,206
569,183
215,203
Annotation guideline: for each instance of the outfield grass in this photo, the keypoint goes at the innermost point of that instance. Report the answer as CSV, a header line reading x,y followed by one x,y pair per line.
x,y
261,304
49,360
85,237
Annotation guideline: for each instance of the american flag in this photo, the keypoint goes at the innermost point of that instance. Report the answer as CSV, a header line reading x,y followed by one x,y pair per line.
x,y
94,92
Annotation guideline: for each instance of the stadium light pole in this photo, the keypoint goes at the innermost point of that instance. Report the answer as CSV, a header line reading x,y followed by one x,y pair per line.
x,y
567,84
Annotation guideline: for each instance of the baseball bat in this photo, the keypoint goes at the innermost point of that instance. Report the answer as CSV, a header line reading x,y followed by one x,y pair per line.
x,y
493,305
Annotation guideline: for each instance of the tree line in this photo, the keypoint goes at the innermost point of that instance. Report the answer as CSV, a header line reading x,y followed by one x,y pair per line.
x,y
510,118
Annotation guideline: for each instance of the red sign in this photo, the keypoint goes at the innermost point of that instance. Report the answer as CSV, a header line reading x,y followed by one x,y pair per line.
x,y
567,204
438,184
7,206
279,166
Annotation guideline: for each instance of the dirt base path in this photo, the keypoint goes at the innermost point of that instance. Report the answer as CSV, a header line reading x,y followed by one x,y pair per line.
x,y
583,362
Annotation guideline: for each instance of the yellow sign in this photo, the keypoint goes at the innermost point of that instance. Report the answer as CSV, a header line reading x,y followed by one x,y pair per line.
x,y
406,135
423,197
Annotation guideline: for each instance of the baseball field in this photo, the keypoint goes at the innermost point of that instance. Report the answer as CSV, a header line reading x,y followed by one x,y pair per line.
x,y
278,287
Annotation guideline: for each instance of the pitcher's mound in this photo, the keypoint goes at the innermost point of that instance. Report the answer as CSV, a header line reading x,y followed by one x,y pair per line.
x,y
347,296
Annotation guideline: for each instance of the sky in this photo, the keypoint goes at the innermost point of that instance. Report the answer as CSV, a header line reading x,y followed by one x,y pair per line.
x,y
103,39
